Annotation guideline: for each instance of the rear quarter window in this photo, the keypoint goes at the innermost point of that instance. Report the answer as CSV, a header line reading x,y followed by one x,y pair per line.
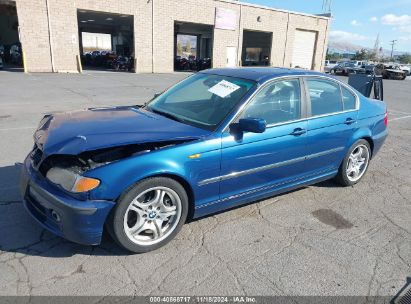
x,y
349,99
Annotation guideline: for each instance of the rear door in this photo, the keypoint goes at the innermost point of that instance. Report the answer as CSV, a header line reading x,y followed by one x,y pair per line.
x,y
332,111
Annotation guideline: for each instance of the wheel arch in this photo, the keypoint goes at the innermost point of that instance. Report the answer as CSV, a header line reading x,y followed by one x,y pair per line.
x,y
187,187
370,142
181,180
362,133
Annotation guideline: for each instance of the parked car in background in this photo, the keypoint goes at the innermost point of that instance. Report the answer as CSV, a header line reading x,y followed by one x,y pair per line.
x,y
358,63
355,70
368,69
406,69
364,69
329,64
391,72
343,68
1,51
203,146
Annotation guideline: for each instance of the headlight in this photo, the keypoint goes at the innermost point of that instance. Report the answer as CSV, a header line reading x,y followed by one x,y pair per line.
x,y
71,181
46,119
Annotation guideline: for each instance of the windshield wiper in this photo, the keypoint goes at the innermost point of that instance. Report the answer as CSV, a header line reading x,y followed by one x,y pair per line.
x,y
168,115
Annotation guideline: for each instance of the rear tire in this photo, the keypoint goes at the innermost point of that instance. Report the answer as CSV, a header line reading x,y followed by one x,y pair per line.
x,y
355,163
149,215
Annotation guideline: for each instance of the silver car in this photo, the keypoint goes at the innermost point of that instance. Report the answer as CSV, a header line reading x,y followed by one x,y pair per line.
x,y
329,64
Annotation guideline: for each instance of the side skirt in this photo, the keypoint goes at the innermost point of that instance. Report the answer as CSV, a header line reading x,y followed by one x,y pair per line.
x,y
260,193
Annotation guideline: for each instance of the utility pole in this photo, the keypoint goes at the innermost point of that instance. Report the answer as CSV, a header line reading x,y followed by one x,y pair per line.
x,y
326,6
393,42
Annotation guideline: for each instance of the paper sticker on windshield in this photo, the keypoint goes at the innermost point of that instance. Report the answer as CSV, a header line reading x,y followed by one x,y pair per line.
x,y
223,88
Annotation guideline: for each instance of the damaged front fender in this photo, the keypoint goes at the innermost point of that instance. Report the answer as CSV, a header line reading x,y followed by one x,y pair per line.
x,y
117,177
65,170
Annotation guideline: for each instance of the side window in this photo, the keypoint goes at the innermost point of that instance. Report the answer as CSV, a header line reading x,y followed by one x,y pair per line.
x,y
349,99
325,96
276,103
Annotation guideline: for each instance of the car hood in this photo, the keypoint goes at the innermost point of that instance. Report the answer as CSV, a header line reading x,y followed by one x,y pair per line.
x,y
395,71
99,128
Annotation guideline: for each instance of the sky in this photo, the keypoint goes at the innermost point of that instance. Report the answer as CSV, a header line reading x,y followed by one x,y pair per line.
x,y
359,21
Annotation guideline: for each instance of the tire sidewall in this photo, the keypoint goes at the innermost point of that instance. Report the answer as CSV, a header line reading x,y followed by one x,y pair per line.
x,y
116,223
342,174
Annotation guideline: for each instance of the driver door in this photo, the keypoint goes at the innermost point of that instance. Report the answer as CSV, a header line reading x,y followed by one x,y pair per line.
x,y
259,163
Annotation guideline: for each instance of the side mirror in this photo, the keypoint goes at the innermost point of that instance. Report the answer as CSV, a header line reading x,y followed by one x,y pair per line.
x,y
253,125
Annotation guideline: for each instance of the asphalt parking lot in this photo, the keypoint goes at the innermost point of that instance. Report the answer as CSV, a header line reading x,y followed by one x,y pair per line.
x,y
320,240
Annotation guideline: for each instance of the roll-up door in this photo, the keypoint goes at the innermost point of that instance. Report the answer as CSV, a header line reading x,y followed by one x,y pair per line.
x,y
304,46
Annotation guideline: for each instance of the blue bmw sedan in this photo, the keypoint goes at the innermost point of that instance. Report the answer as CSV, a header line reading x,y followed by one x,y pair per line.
x,y
216,140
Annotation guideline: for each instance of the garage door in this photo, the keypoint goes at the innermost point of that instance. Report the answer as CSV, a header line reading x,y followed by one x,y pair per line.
x,y
304,44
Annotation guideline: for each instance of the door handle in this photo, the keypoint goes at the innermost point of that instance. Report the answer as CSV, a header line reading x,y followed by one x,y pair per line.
x,y
349,121
298,132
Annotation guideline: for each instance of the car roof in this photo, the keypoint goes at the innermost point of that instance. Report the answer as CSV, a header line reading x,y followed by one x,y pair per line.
x,y
259,74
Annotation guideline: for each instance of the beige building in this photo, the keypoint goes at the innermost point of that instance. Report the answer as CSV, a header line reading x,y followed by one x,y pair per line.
x,y
156,32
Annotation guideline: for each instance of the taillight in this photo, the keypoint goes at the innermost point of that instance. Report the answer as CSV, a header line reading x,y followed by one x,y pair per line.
x,y
386,118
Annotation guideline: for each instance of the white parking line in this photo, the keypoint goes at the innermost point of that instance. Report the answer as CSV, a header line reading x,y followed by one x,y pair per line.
x,y
400,112
398,118
19,128
395,114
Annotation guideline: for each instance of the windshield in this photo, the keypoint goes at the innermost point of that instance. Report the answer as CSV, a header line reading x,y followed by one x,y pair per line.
x,y
202,100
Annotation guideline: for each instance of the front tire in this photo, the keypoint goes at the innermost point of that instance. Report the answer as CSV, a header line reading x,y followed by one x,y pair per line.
x,y
355,163
149,215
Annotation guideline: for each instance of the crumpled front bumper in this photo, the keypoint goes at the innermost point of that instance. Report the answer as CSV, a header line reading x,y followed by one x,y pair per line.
x,y
80,221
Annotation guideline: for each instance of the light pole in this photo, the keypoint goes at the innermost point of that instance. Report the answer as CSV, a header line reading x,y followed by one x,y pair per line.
x,y
327,6
392,47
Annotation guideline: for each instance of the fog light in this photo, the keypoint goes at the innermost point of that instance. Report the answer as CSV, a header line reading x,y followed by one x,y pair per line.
x,y
55,216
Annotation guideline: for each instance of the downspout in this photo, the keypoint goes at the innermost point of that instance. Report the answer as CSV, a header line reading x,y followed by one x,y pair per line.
x,y
324,46
50,38
152,36
286,38
239,48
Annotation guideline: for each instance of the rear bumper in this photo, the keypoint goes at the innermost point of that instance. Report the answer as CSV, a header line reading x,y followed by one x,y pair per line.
x,y
80,221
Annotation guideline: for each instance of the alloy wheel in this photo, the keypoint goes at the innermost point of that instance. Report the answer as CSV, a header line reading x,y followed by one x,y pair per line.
x,y
357,162
152,216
